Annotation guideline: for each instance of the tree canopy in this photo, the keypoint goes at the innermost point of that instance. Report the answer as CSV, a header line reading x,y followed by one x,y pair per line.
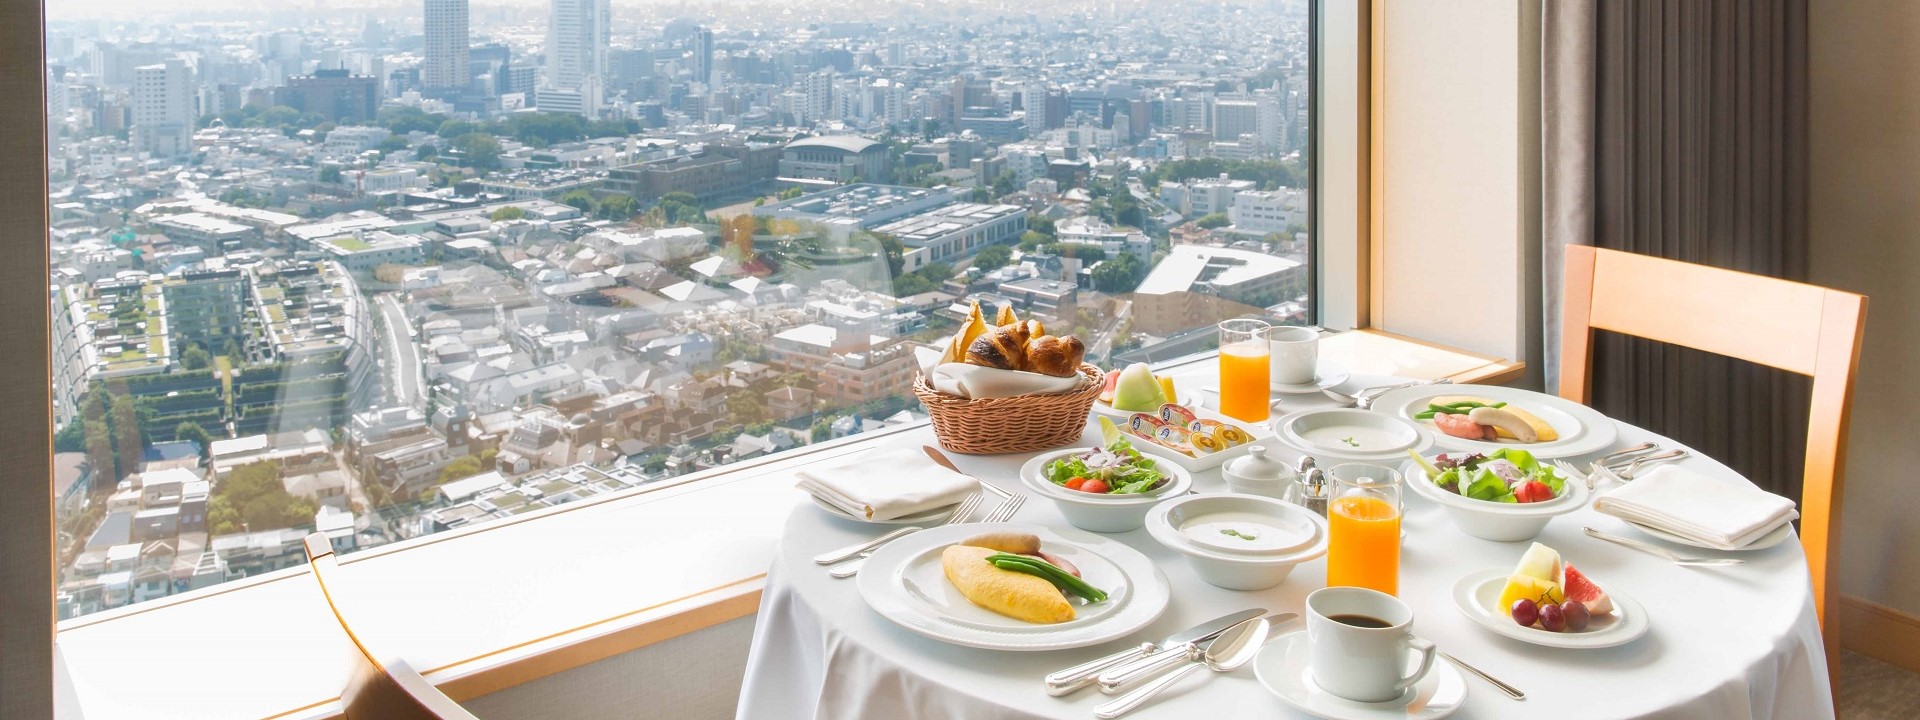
x,y
993,257
252,499
1119,275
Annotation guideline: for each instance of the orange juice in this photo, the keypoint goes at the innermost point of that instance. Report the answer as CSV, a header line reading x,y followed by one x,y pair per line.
x,y
1244,382
1363,544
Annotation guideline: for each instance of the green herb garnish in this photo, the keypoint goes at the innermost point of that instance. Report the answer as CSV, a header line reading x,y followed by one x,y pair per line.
x,y
1349,441
1236,533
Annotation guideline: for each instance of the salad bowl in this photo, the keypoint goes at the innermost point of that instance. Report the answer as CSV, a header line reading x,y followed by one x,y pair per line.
x,y
1134,483
1491,513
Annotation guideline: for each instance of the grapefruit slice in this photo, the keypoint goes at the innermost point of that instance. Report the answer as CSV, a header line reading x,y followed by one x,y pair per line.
x,y
1106,391
1578,587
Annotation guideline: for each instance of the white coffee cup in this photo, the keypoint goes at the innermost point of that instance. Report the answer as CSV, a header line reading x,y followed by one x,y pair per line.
x,y
1295,354
1363,658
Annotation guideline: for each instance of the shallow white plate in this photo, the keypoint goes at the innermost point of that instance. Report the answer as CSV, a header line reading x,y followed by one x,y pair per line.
x,y
1322,433
904,582
1779,535
1583,430
1284,667
1257,431
1478,594
924,516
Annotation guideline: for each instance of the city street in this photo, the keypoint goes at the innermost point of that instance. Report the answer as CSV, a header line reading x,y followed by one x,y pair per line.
x,y
403,381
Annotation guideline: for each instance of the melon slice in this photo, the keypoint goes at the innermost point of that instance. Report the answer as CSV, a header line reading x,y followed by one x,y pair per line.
x,y
1541,563
1578,587
1137,391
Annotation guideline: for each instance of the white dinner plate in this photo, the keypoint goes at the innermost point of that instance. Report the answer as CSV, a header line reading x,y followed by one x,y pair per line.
x,y
1257,431
1779,535
1583,430
1323,378
1478,595
924,516
1285,669
904,582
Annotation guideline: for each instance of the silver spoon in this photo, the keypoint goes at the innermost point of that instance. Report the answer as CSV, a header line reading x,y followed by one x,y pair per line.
x,y
1364,397
1228,652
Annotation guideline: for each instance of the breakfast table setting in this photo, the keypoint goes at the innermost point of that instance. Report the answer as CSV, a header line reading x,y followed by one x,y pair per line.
x,y
1332,545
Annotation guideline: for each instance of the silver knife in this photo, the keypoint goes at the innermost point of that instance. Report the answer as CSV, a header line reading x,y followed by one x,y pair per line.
x,y
1120,679
1084,674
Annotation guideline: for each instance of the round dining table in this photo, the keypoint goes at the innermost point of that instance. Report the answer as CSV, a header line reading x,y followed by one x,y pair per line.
x,y
1737,641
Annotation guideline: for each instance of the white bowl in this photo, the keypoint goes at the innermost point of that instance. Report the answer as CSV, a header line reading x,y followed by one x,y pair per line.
x,y
1249,570
1342,435
1102,512
1487,520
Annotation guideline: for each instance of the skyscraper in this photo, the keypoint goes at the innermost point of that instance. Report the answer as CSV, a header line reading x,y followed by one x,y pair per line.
x,y
703,56
446,45
578,32
163,112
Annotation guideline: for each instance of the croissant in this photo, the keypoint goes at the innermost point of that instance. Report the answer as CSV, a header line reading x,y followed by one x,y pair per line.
x,y
1056,356
1002,347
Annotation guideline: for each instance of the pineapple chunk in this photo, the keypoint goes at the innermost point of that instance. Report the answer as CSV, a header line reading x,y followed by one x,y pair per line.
x,y
1531,588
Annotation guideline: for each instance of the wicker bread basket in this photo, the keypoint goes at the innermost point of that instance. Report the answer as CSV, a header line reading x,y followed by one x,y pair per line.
x,y
1024,423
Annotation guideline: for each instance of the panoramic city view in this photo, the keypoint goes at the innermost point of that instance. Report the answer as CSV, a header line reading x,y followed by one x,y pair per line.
x,y
395,269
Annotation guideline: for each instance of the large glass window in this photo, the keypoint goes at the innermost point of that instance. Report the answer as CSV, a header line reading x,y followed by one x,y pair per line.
x,y
388,271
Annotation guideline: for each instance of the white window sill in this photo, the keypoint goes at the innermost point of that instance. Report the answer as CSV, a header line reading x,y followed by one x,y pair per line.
x,y
495,605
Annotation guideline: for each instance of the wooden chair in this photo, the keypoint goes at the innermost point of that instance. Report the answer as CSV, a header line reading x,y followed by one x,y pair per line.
x,y
381,688
1781,324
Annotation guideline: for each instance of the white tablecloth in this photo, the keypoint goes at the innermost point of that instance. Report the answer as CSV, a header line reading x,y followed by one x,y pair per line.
x,y
1737,642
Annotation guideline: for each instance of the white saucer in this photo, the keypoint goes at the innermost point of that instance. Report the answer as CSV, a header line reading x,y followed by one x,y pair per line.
x,y
1323,379
924,516
1779,535
1284,668
1478,595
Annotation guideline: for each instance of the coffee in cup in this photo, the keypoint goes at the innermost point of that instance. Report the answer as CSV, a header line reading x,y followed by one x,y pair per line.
x,y
1360,641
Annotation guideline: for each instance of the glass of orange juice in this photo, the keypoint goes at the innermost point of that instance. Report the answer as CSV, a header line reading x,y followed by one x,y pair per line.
x,y
1244,358
1363,543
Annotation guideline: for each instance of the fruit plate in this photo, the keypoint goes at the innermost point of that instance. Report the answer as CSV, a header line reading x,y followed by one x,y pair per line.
x,y
1583,430
1478,595
905,583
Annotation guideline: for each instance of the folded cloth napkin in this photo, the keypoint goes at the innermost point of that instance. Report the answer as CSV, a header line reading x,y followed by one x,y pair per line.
x,y
1727,516
977,381
885,484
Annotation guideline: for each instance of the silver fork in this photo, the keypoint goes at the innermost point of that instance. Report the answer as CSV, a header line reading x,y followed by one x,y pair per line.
x,y
1572,472
830,557
960,515
1657,551
1633,468
1006,509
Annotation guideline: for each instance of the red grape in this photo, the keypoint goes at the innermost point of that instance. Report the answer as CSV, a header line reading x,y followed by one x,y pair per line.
x,y
1577,615
1525,611
1553,618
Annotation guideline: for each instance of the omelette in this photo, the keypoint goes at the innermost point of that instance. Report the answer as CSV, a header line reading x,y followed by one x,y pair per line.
x,y
1540,427
1014,594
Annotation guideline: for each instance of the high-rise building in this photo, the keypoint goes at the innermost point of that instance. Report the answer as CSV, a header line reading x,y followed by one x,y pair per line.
x,y
578,32
446,45
337,95
1233,118
163,112
702,42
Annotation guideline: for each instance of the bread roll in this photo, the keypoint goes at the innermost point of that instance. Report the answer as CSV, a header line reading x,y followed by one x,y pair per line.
x,y
1003,347
1056,356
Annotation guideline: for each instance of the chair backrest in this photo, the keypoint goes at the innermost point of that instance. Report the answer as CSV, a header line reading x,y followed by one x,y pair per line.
x,y
382,688
1787,325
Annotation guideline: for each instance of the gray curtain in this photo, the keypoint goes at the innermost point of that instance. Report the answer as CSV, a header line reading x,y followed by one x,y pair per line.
x,y
1694,148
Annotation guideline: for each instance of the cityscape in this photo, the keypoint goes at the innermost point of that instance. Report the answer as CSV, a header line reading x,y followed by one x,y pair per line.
x,y
395,269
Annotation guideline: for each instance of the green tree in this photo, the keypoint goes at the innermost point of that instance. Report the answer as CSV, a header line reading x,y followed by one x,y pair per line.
x,y
426,152
580,199
461,467
482,151
393,144
195,358
619,207
507,213
400,120
1119,275
681,208
330,175
127,443
1031,241
252,499
1212,220
792,192
192,431
455,128
1005,183
993,257
98,436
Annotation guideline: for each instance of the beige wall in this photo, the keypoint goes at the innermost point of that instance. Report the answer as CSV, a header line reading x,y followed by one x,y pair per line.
x,y
1462,179
1864,70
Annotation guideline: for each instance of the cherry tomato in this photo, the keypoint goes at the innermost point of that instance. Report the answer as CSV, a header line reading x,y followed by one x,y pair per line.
x,y
1075,483
1533,491
1093,486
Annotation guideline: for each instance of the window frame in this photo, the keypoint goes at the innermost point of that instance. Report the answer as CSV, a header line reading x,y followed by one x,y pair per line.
x,y
28,677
